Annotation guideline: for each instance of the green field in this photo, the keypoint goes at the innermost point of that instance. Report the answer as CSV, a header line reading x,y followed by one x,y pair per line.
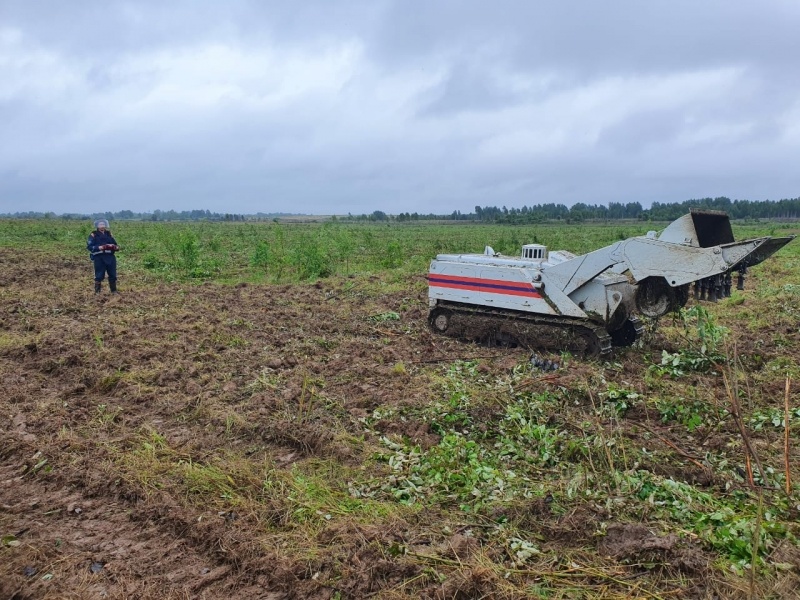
x,y
281,253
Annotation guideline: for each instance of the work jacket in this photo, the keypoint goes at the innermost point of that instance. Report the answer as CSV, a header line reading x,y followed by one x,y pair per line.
x,y
101,243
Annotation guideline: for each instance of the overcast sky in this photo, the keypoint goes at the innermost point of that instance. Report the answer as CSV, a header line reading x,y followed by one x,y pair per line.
x,y
336,106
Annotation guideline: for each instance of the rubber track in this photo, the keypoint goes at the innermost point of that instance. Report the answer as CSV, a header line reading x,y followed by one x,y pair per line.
x,y
502,317
638,326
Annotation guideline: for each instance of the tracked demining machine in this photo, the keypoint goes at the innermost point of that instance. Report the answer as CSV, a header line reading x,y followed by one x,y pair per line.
x,y
589,304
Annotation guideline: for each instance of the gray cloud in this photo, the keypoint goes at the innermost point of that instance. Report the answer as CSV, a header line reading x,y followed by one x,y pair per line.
x,y
354,106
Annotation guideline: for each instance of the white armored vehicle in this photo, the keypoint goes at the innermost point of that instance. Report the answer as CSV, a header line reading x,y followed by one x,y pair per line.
x,y
588,304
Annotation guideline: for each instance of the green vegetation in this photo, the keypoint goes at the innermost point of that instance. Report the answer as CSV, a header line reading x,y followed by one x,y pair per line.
x,y
528,450
285,253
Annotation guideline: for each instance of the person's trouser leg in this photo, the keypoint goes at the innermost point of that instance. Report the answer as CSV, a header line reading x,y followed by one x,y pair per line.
x,y
99,273
111,268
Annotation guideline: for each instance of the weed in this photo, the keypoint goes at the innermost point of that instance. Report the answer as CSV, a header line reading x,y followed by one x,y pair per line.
x,y
774,417
311,260
703,353
266,380
456,471
393,256
206,481
312,498
233,420
678,364
451,414
277,258
791,288
386,316
726,525
153,442
692,414
399,369
230,341
154,262
104,415
239,322
325,343
261,256
521,551
215,244
109,382
466,469
709,333
619,400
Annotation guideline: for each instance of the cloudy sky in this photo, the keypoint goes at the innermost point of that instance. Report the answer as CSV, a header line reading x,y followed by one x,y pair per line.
x,y
337,106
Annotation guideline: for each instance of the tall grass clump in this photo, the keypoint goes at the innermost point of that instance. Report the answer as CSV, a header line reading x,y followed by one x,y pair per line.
x,y
260,258
311,258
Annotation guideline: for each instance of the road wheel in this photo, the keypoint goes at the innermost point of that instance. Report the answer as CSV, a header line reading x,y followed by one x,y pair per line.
x,y
585,343
439,320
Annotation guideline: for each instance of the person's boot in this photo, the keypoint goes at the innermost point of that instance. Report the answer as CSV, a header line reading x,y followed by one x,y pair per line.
x,y
96,287
113,286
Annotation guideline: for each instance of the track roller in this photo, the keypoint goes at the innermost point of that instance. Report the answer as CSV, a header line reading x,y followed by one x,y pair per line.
x,y
439,320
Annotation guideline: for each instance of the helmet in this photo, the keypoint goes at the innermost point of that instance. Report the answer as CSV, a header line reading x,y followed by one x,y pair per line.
x,y
101,223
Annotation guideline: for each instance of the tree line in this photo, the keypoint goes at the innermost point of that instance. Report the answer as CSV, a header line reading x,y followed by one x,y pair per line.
x,y
658,211
736,209
156,215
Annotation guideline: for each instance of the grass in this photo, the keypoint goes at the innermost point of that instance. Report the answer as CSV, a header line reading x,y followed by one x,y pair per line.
x,y
232,252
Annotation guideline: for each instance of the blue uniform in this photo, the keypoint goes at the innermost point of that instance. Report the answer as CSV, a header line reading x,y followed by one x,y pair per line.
x,y
104,259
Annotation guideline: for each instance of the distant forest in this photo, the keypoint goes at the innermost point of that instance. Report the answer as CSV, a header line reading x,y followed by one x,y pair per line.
x,y
737,209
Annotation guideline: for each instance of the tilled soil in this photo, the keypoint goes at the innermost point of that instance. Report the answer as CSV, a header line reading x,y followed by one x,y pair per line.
x,y
181,360
96,388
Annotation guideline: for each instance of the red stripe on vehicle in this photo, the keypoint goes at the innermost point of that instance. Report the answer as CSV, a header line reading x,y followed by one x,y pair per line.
x,y
492,286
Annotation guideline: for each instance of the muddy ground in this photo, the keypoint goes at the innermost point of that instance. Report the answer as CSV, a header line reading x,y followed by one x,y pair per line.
x,y
97,389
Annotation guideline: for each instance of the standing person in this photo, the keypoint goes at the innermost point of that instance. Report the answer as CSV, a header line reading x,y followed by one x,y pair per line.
x,y
102,246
